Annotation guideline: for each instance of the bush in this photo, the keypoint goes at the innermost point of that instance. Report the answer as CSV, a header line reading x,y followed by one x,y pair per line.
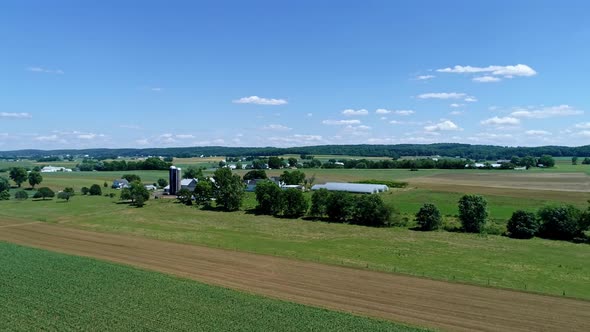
x,y
4,195
37,195
84,190
473,213
560,223
64,195
369,210
268,196
255,174
21,195
95,190
162,183
131,178
429,218
522,225
293,203
4,185
185,196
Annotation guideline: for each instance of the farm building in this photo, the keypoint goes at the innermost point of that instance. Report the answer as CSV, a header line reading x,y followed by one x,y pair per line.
x,y
360,188
150,187
53,169
251,184
120,184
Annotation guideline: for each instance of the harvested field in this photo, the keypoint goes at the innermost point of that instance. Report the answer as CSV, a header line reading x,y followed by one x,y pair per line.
x,y
398,298
550,186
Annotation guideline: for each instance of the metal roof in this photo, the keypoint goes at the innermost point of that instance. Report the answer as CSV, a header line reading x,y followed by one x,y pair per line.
x,y
352,187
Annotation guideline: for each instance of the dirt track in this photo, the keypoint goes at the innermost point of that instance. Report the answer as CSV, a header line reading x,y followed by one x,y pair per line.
x,y
405,299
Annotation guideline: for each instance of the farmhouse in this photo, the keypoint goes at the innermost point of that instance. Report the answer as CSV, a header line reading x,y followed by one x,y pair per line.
x,y
360,188
53,169
251,184
120,184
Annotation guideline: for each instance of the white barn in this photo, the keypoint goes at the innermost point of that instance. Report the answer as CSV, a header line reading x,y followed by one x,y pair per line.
x,y
360,188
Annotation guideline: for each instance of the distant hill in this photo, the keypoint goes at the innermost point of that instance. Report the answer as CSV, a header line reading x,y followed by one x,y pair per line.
x,y
489,152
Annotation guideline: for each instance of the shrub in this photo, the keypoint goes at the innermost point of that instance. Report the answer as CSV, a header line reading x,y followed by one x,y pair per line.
x,y
4,195
429,218
64,195
293,203
162,183
473,213
268,196
95,190
84,190
185,196
255,174
4,185
21,195
522,225
560,223
369,210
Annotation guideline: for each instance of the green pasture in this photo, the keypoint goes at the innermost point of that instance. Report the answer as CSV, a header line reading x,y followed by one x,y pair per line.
x,y
45,291
544,266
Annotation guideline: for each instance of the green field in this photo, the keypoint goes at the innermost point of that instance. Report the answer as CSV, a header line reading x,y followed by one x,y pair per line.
x,y
45,291
538,265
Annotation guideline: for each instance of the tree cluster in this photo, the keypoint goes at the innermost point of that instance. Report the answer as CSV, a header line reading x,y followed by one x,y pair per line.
x,y
152,163
136,193
272,200
551,222
337,206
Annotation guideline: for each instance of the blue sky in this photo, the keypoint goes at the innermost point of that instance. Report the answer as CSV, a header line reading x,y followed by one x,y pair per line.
x,y
78,74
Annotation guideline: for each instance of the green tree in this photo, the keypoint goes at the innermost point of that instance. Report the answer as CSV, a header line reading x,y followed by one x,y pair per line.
x,y
132,178
105,185
339,206
84,190
547,160
292,162
64,195
35,178
162,182
255,174
429,217
136,193
574,160
203,192
70,191
319,203
4,185
95,190
293,203
4,195
369,210
528,161
276,162
229,189
192,173
185,196
21,195
18,175
560,222
45,192
473,213
293,178
522,225
268,196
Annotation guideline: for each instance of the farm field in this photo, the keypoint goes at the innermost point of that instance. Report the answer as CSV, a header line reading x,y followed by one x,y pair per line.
x,y
411,300
537,265
42,290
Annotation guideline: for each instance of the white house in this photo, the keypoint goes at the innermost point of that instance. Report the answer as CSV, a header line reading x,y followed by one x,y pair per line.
x,y
120,184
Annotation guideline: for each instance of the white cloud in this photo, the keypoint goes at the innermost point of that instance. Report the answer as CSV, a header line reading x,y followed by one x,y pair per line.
x,y
340,122
583,133
537,133
276,127
395,122
486,79
446,125
442,95
425,77
87,136
504,71
45,70
583,125
456,113
296,139
470,99
185,136
382,111
142,141
455,105
11,115
309,115
260,101
351,112
49,138
404,112
124,126
156,89
546,112
501,121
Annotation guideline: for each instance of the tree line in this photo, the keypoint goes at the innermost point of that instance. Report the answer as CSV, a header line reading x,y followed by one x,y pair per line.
x,y
149,164
474,152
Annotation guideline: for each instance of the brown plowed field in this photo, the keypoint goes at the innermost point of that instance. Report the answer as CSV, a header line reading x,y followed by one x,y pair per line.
x,y
393,297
